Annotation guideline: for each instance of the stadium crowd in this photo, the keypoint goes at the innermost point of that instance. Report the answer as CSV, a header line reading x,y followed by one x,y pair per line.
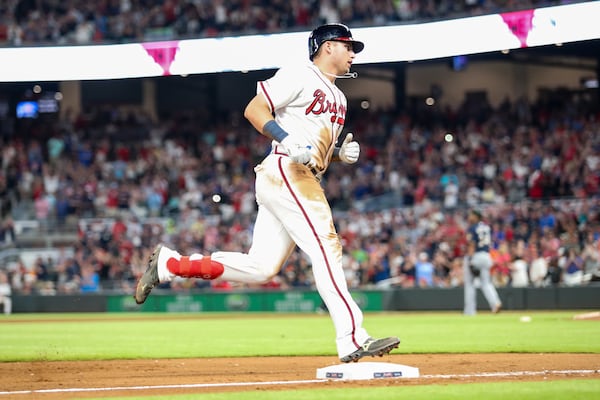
x,y
27,22
533,168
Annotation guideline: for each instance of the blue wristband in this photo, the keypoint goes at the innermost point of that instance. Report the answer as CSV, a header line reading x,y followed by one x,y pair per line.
x,y
275,131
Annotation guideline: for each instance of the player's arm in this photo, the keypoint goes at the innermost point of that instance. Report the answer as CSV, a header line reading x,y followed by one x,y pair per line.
x,y
471,245
259,114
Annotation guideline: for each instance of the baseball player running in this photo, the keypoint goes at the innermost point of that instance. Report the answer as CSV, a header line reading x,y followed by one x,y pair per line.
x,y
477,264
302,110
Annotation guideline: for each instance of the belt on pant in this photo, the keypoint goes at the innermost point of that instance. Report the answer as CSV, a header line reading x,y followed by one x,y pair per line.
x,y
281,152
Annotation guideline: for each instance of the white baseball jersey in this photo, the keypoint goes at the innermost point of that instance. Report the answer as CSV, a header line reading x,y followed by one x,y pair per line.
x,y
307,106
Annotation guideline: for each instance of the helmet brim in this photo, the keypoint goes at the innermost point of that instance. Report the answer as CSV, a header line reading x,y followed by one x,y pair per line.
x,y
357,46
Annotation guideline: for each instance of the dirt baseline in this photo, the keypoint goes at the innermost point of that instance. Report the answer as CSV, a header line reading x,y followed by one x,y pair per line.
x,y
57,380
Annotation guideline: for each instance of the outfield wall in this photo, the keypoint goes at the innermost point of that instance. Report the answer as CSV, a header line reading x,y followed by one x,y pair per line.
x,y
554,298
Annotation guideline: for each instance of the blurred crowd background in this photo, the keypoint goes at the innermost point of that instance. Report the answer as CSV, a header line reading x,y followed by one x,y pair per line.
x,y
122,181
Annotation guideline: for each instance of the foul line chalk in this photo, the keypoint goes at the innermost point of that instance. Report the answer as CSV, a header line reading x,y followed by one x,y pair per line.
x,y
275,383
516,373
184,386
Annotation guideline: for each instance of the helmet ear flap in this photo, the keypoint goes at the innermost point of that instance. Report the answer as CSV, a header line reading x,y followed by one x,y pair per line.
x,y
313,46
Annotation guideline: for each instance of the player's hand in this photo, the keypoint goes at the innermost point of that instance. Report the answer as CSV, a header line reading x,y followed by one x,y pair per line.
x,y
298,153
350,150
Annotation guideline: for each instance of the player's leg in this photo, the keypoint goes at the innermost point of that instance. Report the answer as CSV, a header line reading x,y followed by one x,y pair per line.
x,y
489,291
171,263
305,212
165,263
270,248
325,252
470,294
271,245
484,263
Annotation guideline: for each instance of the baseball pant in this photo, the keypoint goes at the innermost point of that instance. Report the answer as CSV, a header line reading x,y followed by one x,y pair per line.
x,y
293,210
483,262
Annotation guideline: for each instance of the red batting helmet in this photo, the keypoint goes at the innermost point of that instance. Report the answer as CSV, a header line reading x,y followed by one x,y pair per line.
x,y
338,32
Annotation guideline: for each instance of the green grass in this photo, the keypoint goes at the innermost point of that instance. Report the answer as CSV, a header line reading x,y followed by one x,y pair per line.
x,y
28,337
584,389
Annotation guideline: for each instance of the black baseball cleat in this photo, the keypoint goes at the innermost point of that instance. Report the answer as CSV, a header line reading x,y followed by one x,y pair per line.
x,y
373,347
150,278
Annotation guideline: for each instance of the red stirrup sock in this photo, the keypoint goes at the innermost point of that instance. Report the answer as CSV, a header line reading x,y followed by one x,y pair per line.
x,y
204,268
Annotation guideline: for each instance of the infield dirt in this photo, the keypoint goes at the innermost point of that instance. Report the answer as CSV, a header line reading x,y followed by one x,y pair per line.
x,y
141,377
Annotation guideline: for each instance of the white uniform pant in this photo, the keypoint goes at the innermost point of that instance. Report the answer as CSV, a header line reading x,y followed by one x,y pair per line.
x,y
293,210
484,262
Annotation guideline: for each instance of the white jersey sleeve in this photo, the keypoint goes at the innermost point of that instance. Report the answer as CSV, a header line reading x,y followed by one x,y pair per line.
x,y
281,89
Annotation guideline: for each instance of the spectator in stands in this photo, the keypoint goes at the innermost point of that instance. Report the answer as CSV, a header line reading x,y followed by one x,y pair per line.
x,y
407,269
7,232
424,271
519,276
5,293
44,205
442,265
501,271
538,271
519,268
571,264
90,280
591,255
41,270
554,274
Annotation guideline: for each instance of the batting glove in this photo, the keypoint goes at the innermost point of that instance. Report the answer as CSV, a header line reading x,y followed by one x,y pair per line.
x,y
350,150
297,152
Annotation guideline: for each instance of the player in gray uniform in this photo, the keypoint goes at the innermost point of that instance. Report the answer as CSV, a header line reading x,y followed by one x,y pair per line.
x,y
477,264
302,110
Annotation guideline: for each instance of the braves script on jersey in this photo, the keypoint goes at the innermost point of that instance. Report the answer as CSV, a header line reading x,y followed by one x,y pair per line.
x,y
307,106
